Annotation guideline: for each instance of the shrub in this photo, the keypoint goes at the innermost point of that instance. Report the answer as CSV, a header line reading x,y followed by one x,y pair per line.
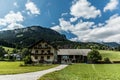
x,y
94,56
11,58
116,61
107,60
28,60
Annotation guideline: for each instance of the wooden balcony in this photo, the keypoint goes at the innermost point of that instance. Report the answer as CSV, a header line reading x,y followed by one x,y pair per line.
x,y
42,47
41,53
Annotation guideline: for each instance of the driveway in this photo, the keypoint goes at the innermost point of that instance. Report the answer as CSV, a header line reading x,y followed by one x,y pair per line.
x,y
32,75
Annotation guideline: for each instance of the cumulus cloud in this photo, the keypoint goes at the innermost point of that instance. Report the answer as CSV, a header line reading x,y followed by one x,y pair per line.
x,y
12,20
13,26
79,29
111,5
12,17
108,31
83,8
32,8
88,31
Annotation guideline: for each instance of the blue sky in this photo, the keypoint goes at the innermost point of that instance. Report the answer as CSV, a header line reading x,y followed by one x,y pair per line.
x,y
79,20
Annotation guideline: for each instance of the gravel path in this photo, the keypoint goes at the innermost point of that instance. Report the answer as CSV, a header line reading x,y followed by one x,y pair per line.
x,y
32,75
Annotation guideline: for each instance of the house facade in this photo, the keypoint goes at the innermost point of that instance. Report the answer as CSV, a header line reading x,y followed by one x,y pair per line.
x,y
43,52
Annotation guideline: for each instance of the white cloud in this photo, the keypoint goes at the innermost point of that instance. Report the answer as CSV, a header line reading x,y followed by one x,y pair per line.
x,y
111,5
12,20
74,39
15,4
13,26
83,8
32,8
108,31
64,14
114,38
13,17
79,29
73,19
87,31
56,28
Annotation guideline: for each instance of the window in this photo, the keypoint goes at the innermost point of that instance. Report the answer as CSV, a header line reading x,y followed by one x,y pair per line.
x,y
48,57
36,51
46,45
36,57
42,51
39,45
48,51
42,58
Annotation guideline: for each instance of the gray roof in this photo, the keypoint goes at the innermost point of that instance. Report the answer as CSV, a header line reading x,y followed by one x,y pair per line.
x,y
83,52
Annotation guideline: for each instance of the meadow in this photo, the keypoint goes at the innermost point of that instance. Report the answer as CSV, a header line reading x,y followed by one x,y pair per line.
x,y
112,55
15,68
8,49
86,72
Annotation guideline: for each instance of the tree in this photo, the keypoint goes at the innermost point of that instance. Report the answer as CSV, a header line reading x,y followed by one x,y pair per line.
x,y
2,52
94,56
25,52
14,51
28,60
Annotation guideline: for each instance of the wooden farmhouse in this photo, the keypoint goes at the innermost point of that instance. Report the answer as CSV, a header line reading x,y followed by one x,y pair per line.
x,y
45,52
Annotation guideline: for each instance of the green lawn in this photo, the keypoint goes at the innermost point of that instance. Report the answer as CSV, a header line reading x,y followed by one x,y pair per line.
x,y
86,72
112,55
8,49
14,68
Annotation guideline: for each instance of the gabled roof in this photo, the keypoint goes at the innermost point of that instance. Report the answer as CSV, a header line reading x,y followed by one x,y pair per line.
x,y
52,44
83,52
38,43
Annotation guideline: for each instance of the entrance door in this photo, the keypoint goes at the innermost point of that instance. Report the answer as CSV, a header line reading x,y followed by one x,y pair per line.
x,y
65,59
42,59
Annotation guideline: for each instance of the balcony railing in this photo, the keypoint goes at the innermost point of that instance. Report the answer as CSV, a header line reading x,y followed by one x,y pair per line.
x,y
42,47
41,53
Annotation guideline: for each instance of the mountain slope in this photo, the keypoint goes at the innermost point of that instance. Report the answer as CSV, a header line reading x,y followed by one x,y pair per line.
x,y
27,36
111,44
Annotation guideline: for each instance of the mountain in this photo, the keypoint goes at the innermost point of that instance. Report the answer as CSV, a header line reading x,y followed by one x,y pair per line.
x,y
29,35
25,37
111,44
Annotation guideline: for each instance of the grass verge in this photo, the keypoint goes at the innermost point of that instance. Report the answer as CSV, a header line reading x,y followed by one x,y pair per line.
x,y
15,68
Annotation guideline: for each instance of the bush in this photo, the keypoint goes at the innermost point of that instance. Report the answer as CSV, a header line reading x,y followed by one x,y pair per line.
x,y
116,61
107,60
94,56
28,60
11,58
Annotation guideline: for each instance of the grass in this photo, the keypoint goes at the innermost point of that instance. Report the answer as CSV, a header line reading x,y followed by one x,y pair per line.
x,y
112,55
14,68
8,49
86,72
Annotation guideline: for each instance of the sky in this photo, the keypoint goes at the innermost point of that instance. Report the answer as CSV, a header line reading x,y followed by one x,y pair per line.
x,y
79,20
